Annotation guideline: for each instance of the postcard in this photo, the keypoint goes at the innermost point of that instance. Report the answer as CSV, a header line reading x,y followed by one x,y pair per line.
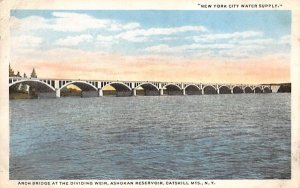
x,y
149,94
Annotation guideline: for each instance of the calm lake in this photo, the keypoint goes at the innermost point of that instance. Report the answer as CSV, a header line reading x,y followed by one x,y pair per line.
x,y
241,136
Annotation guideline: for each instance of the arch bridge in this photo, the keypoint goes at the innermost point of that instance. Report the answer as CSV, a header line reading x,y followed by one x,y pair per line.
x,y
94,88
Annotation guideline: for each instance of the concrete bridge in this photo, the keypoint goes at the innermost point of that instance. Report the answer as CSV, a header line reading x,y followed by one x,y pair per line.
x,y
94,88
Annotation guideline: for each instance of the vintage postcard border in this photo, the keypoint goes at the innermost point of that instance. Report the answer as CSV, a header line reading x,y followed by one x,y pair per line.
x,y
7,5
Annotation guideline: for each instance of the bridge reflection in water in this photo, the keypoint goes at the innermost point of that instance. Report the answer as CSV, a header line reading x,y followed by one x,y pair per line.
x,y
94,88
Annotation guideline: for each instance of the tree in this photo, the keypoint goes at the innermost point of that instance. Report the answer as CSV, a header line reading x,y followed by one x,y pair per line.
x,y
33,74
18,74
25,76
11,72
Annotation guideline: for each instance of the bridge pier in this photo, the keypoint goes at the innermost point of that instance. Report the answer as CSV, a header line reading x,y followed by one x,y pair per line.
x,y
183,92
57,93
161,92
133,92
100,93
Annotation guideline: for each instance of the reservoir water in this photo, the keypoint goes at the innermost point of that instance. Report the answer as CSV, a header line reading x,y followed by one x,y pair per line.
x,y
241,136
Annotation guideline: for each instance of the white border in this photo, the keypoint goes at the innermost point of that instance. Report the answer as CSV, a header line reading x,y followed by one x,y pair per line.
x,y
7,5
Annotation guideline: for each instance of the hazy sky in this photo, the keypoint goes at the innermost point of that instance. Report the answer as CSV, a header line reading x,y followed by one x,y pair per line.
x,y
196,46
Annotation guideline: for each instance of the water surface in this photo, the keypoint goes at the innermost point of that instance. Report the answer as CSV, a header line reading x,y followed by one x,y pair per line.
x,y
242,136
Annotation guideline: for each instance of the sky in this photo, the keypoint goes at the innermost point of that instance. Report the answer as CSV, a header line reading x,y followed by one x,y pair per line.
x,y
159,45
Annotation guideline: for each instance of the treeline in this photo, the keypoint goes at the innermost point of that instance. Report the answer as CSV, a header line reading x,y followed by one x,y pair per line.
x,y
285,88
12,73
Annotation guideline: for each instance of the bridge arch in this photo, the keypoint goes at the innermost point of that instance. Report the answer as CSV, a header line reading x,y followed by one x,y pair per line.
x,y
84,86
193,86
121,89
119,86
209,89
192,89
248,89
237,89
147,85
258,90
149,89
37,84
224,90
175,86
267,90
173,89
